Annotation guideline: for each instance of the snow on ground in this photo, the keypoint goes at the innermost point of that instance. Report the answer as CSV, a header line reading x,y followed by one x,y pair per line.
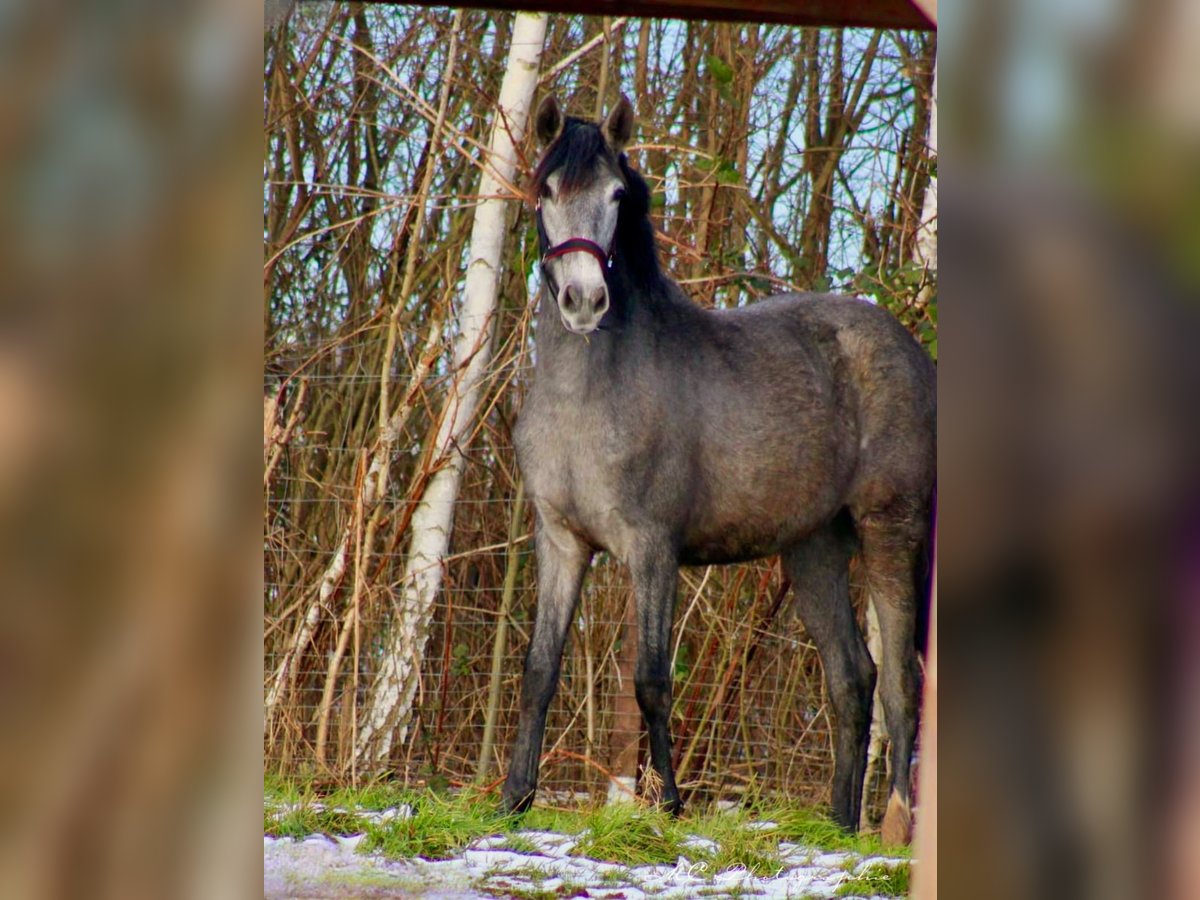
x,y
326,867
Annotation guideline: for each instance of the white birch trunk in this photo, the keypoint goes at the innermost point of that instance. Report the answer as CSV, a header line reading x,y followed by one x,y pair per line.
x,y
389,710
926,243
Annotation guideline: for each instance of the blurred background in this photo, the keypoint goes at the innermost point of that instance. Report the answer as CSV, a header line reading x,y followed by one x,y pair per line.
x,y
1068,474
136,189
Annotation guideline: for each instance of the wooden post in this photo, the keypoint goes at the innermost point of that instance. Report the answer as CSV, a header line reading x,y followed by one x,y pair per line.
x,y
925,849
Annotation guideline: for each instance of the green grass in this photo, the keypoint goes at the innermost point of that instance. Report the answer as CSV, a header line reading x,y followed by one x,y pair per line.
x,y
532,873
560,821
290,807
441,825
756,850
302,821
438,828
277,789
520,844
613,877
876,879
374,796
813,828
289,810
631,835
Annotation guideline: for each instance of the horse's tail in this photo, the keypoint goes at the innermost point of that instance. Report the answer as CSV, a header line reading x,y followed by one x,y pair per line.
x,y
923,573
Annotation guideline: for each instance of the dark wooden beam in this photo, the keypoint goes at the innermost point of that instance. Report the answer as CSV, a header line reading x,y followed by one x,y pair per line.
x,y
856,13
929,8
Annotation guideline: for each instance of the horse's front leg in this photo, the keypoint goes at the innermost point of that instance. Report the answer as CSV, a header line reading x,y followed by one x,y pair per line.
x,y
655,572
562,559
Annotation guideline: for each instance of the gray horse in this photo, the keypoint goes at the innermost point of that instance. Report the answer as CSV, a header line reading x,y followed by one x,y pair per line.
x,y
668,435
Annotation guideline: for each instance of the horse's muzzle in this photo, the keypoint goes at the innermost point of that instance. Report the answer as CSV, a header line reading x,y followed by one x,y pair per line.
x,y
582,308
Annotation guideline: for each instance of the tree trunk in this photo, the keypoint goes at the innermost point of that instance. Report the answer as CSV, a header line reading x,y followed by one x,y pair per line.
x,y
926,244
389,710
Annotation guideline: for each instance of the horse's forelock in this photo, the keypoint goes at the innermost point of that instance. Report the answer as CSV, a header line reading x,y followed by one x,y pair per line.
x,y
573,155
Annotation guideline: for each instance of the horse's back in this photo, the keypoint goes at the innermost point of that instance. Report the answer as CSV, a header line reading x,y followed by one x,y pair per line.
x,y
781,403
846,338
879,386
895,390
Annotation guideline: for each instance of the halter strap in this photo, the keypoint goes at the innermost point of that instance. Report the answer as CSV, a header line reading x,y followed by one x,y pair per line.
x,y
572,245
579,245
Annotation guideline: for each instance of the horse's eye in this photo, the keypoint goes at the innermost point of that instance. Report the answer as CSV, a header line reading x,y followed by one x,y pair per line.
x,y
544,191
618,194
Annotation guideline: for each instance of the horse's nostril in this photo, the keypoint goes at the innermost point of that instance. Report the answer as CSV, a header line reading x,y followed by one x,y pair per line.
x,y
569,302
575,299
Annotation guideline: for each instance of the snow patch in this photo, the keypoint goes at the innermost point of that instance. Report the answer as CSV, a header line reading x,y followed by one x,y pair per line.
x,y
334,867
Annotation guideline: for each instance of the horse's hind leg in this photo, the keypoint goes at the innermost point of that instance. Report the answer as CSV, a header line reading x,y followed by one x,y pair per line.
x,y
819,572
891,541
562,560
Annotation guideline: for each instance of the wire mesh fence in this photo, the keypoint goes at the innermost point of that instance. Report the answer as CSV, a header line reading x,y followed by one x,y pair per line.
x,y
749,709
750,713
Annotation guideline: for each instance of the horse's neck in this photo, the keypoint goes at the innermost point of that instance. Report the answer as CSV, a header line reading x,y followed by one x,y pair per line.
x,y
572,362
563,359
577,364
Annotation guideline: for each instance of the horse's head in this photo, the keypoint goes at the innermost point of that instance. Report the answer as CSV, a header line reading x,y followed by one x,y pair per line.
x,y
579,186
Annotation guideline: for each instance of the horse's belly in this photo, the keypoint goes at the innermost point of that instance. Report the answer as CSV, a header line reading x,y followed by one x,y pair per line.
x,y
761,516
749,538
725,548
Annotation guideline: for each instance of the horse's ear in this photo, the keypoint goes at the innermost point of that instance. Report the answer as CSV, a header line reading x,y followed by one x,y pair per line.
x,y
618,126
549,120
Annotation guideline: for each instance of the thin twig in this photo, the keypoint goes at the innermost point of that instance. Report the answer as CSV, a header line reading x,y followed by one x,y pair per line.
x,y
571,58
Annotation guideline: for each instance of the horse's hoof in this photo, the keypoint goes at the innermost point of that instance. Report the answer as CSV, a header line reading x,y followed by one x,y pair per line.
x,y
674,807
896,830
515,804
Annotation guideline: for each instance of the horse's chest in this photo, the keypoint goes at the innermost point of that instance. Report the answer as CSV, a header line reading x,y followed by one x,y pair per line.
x,y
579,464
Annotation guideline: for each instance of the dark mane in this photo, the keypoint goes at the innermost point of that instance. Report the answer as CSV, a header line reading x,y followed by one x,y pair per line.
x,y
635,232
574,152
